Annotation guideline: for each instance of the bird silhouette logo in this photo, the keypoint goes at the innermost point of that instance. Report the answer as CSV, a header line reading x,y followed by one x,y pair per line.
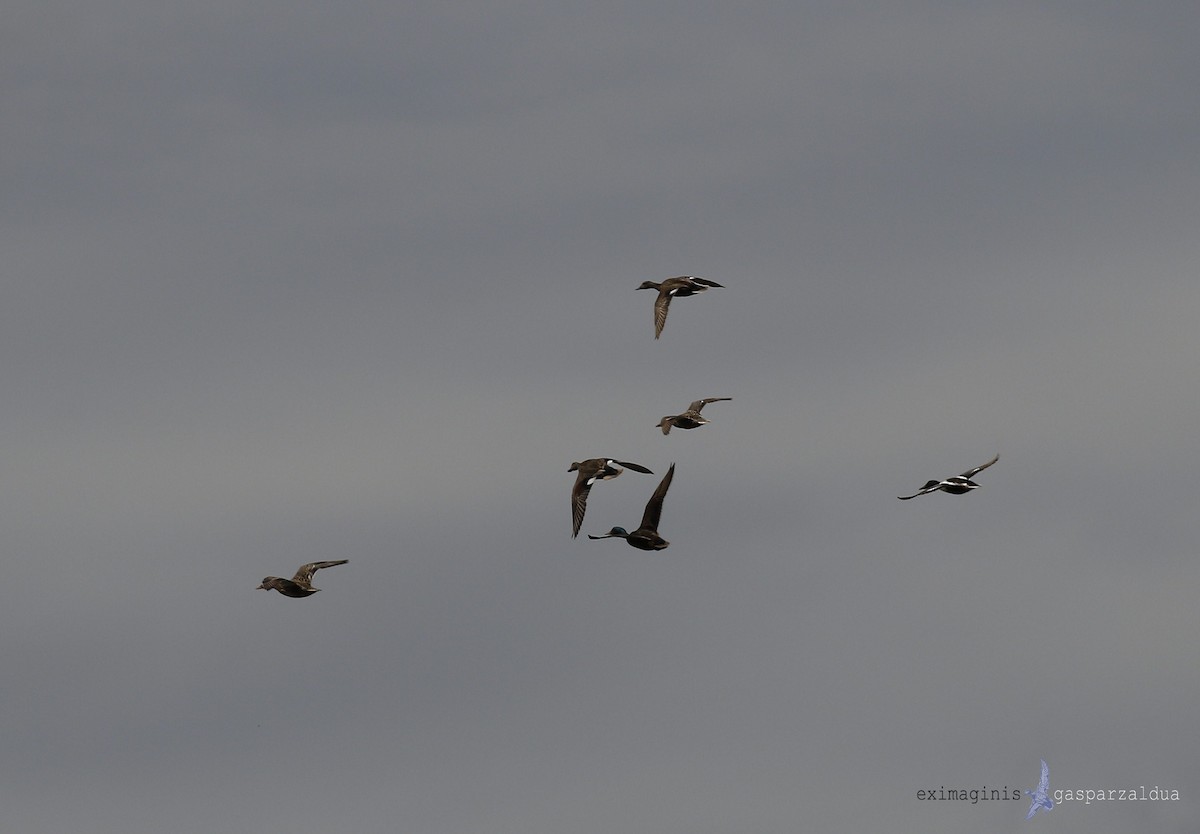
x,y
1040,794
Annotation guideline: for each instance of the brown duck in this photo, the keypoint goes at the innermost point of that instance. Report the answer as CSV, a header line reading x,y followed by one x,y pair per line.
x,y
590,471
674,288
299,585
691,418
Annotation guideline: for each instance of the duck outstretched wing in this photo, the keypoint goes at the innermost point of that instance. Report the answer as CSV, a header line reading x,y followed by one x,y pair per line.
x,y
654,505
699,404
971,473
305,574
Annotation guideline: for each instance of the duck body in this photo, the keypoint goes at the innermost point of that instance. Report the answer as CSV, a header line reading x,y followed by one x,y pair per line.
x,y
957,485
287,587
641,539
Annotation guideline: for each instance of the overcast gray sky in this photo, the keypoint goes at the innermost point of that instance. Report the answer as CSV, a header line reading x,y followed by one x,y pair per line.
x,y
289,281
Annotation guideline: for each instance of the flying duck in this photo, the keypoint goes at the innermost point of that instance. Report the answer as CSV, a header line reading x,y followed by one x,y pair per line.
x,y
299,585
674,288
1040,794
590,471
956,485
691,418
646,537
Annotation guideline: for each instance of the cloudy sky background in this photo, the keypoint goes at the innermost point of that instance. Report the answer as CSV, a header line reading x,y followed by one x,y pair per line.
x,y
297,281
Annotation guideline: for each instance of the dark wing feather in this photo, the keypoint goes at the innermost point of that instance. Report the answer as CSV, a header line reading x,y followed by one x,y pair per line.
x,y
635,467
706,282
654,505
661,305
699,404
930,486
971,473
305,574
579,494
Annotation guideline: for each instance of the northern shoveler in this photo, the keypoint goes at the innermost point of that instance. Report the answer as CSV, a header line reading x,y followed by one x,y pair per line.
x,y
957,485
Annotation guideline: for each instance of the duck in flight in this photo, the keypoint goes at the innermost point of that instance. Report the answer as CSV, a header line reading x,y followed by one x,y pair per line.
x,y
1040,794
691,418
299,585
674,288
590,471
957,485
646,537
